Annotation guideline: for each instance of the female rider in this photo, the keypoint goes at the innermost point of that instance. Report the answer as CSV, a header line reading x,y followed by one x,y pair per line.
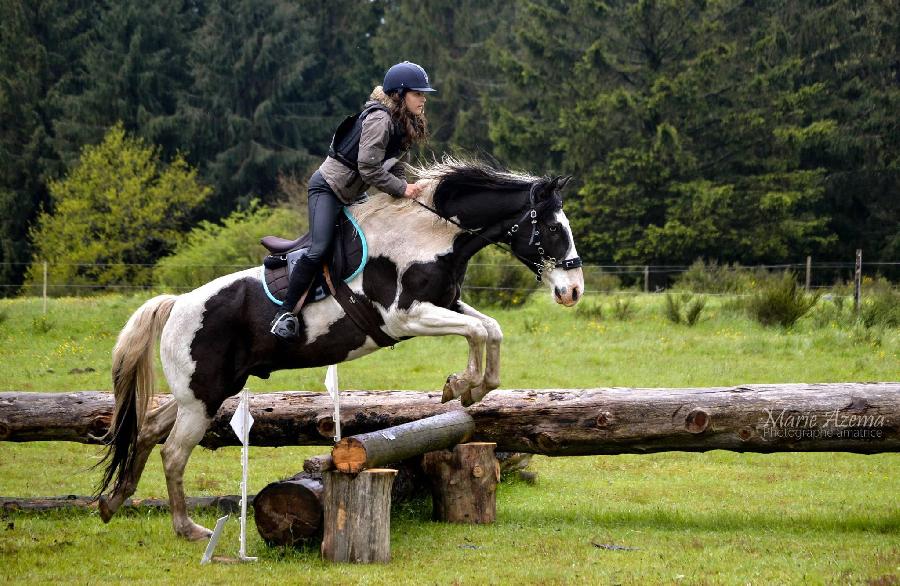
x,y
392,120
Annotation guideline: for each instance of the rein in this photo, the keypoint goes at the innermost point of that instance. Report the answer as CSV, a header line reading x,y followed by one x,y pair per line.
x,y
567,264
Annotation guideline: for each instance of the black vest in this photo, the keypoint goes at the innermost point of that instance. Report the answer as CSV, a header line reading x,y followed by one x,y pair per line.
x,y
345,142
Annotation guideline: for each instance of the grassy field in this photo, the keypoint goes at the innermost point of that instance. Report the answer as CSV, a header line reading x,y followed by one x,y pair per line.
x,y
690,518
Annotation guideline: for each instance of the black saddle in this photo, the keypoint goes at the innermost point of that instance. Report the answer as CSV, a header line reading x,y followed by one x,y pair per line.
x,y
348,259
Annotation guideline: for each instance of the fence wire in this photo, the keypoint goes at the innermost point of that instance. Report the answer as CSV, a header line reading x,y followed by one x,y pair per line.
x,y
599,278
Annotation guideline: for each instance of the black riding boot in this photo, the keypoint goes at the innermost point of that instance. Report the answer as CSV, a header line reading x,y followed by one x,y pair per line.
x,y
285,325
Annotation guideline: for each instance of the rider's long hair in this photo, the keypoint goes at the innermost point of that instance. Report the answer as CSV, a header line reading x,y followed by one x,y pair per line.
x,y
415,126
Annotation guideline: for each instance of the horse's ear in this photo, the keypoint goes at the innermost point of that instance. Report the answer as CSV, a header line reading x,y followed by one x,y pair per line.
x,y
562,182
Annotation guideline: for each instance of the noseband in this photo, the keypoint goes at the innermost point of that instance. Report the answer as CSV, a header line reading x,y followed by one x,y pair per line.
x,y
535,240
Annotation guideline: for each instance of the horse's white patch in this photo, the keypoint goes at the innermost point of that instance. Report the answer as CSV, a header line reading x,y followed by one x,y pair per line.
x,y
404,231
566,280
319,317
184,322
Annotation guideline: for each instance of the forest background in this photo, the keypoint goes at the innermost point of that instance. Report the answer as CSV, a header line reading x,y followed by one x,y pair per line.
x,y
734,130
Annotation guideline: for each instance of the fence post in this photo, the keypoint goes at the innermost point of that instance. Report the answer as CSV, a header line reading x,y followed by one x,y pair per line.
x,y
808,272
858,277
646,278
45,287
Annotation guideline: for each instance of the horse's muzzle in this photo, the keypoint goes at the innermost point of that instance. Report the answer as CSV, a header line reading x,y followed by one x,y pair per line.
x,y
567,296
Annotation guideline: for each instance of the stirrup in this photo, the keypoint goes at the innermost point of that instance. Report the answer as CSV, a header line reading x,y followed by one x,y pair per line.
x,y
285,326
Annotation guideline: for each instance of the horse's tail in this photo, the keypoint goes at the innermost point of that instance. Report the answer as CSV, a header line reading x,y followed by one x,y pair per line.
x,y
134,382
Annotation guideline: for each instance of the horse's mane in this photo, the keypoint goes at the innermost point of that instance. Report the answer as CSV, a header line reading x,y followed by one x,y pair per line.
x,y
452,176
455,175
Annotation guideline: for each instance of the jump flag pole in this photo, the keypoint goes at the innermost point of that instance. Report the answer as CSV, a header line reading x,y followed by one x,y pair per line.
x,y
241,422
331,383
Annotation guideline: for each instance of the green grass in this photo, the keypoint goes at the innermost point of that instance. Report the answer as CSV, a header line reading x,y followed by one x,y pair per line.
x,y
714,518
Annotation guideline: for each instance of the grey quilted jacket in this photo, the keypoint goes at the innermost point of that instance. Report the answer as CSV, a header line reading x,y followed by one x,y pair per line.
x,y
373,171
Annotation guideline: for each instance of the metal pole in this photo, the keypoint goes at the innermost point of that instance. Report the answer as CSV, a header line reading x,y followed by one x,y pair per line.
x,y
808,272
45,287
858,290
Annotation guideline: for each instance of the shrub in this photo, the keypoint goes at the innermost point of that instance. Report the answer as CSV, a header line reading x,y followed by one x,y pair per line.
x,y
781,303
589,310
495,279
881,308
703,277
684,308
211,250
41,324
115,213
623,308
595,279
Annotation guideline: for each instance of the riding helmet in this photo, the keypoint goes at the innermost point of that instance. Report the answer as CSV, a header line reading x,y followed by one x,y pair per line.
x,y
406,76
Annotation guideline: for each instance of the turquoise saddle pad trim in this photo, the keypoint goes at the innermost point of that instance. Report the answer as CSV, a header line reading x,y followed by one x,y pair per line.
x,y
359,269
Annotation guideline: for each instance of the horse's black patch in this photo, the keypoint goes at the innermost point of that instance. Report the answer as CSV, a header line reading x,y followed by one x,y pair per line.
x,y
430,282
380,281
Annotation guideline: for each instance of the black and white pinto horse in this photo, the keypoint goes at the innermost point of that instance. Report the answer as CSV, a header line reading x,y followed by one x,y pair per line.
x,y
213,338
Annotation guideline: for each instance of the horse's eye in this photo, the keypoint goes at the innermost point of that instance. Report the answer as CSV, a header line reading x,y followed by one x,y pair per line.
x,y
553,228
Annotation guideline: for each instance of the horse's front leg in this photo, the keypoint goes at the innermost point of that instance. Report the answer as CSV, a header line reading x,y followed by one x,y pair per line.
x,y
426,319
491,378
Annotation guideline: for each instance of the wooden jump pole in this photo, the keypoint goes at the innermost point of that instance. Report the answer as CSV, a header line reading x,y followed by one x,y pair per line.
x,y
369,450
804,417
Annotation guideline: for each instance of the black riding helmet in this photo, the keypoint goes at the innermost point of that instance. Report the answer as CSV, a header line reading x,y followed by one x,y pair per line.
x,y
406,76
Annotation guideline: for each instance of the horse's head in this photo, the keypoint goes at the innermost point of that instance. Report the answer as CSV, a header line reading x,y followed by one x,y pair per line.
x,y
543,238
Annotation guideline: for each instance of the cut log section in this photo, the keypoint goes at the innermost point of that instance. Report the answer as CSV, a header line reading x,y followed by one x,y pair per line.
x,y
356,453
464,483
289,512
358,516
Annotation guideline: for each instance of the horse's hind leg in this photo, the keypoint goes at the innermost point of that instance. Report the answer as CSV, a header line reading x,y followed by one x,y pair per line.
x,y
190,426
155,427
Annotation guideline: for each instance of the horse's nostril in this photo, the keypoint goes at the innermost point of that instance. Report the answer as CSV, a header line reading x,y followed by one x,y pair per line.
x,y
559,292
575,294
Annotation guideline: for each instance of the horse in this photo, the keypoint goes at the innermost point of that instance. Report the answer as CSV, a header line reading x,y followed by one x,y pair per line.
x,y
216,336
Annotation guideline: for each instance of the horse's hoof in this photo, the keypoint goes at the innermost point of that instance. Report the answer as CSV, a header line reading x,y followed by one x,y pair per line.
x,y
466,399
195,532
103,506
454,387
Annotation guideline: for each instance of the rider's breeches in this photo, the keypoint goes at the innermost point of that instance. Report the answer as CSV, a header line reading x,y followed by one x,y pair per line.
x,y
324,207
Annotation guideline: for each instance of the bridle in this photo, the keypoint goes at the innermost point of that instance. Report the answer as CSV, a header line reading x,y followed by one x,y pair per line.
x,y
530,214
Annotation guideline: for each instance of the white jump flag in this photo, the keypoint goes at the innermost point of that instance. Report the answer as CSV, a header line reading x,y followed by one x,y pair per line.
x,y
241,422
331,383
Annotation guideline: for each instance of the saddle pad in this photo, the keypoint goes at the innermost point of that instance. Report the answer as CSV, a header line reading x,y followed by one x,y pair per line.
x,y
349,256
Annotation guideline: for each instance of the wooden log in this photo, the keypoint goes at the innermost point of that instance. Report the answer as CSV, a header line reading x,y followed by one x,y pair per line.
x,y
318,464
223,504
464,483
369,450
289,512
832,417
358,516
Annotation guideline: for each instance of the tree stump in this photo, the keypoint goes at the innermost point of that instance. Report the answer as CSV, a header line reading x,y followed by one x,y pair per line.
x,y
358,516
464,483
289,512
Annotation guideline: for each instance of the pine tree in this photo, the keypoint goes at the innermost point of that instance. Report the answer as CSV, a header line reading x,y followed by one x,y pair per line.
x,y
40,45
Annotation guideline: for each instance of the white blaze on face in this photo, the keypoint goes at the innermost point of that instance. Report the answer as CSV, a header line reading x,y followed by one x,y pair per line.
x,y
566,286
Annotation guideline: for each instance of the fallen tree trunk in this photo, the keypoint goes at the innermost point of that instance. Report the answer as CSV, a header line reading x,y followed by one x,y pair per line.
x,y
224,504
840,417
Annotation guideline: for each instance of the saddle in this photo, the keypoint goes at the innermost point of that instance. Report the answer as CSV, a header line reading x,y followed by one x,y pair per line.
x,y
348,259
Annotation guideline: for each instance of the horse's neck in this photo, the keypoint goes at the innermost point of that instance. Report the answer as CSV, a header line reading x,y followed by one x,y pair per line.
x,y
407,232
488,214
404,231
